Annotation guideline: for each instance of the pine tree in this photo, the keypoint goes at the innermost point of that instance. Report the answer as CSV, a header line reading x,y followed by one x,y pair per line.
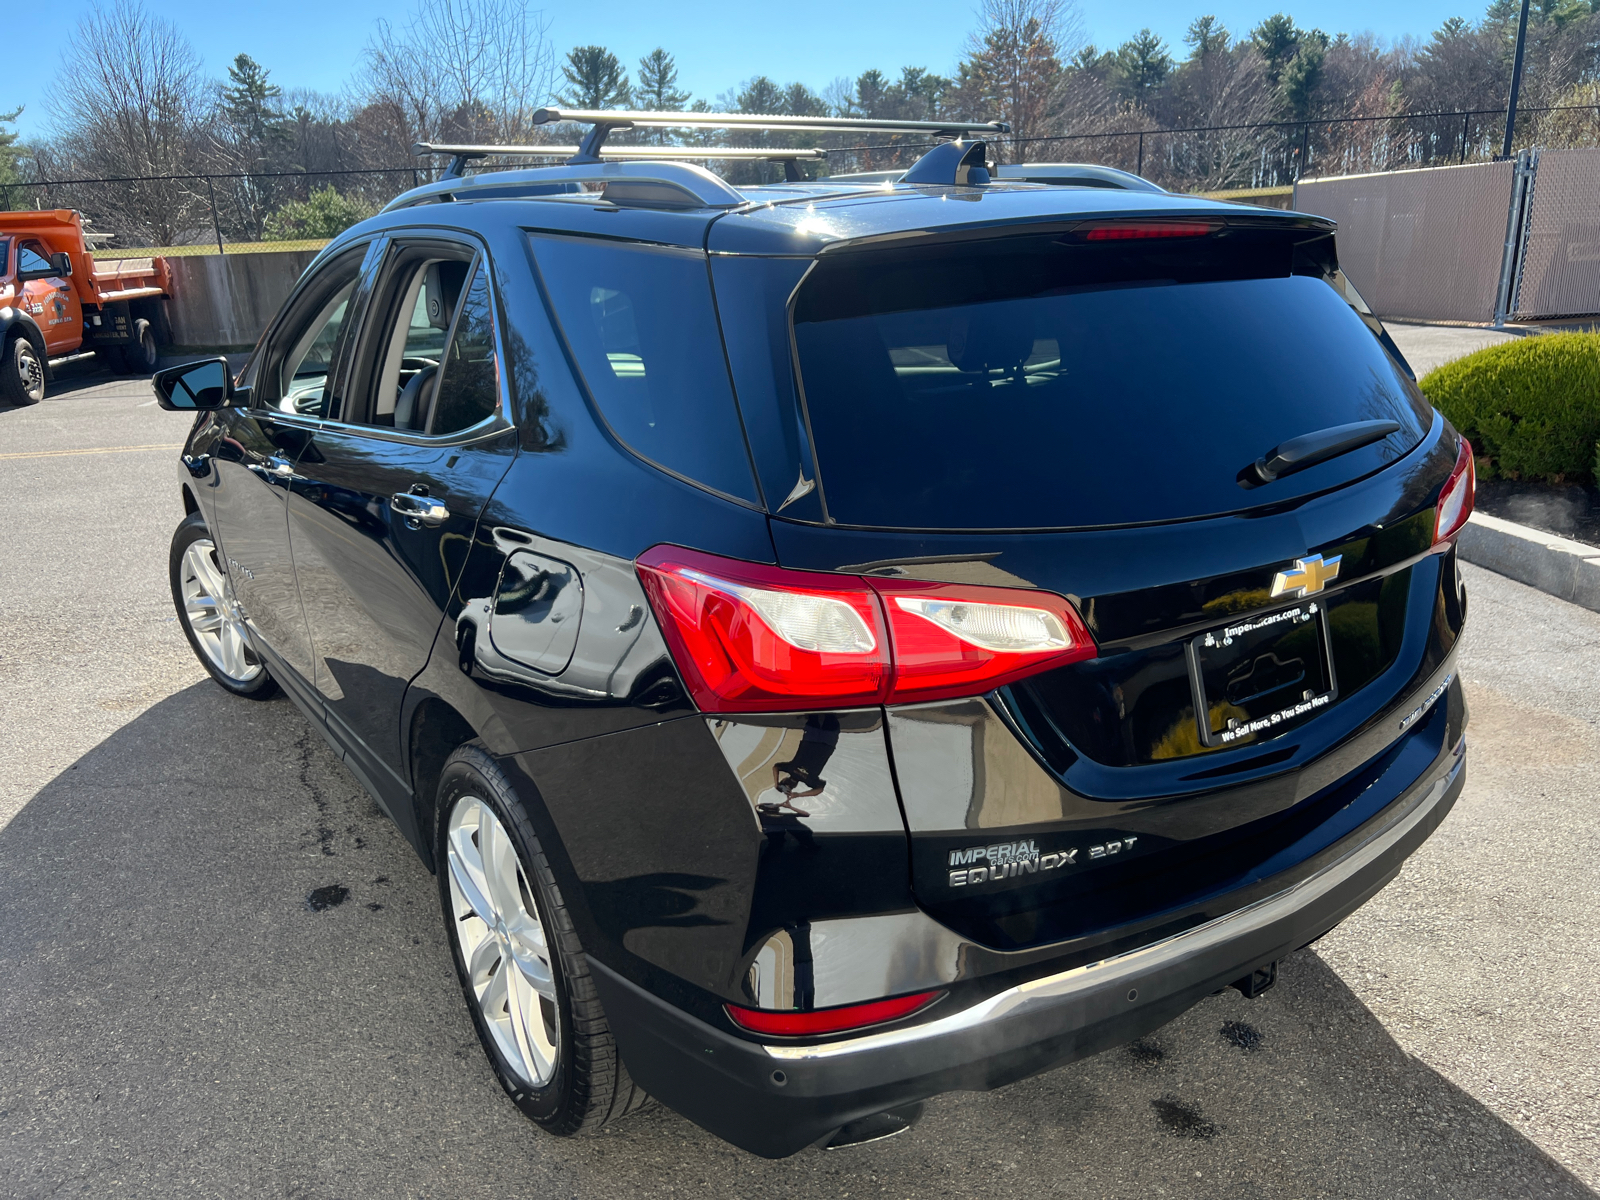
x,y
1143,65
10,152
595,79
251,103
657,89
1277,40
1206,36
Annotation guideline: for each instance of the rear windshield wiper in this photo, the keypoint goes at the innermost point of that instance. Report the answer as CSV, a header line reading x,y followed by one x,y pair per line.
x,y
1309,449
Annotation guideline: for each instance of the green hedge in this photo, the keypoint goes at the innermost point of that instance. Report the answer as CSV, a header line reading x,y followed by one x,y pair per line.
x,y
1530,407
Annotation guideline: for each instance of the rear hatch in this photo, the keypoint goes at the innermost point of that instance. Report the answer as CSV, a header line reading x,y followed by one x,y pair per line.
x,y
1079,408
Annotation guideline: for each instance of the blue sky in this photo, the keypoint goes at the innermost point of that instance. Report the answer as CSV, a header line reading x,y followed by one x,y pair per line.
x,y
315,43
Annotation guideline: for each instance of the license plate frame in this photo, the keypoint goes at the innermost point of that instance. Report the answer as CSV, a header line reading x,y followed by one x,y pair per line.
x,y
1224,663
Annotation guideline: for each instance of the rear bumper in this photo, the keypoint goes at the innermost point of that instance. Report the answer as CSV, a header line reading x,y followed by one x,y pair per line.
x,y
776,1099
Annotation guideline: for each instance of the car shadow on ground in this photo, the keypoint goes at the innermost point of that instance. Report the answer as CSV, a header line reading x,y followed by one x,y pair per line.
x,y
222,971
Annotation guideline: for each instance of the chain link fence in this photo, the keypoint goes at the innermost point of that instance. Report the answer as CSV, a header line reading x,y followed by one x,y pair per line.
x,y
1483,243
1557,272
231,212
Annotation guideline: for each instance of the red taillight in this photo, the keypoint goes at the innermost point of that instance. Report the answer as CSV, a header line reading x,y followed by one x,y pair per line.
x,y
754,638
954,640
1124,230
828,1020
1456,500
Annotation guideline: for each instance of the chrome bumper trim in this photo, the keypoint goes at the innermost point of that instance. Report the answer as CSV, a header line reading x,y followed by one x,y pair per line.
x,y
1027,998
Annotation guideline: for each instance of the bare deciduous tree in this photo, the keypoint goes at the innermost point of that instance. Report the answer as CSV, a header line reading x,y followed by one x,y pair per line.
x,y
131,101
1013,71
460,71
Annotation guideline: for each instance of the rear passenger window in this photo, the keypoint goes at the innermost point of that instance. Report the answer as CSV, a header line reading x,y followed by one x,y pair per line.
x,y
431,358
640,324
469,389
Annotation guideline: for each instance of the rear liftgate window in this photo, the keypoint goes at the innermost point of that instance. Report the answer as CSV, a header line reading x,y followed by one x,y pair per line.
x,y
640,323
1049,382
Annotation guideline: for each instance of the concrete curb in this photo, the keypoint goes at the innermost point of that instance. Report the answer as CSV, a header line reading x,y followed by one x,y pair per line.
x,y
1563,568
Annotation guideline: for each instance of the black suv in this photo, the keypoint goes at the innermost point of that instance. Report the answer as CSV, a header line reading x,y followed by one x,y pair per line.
x,y
839,643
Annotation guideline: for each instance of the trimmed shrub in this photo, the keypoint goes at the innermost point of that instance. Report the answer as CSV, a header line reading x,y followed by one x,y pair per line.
x,y
325,215
1530,407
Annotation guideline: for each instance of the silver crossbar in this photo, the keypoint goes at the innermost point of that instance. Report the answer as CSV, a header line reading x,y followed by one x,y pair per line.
x,y
624,119
670,153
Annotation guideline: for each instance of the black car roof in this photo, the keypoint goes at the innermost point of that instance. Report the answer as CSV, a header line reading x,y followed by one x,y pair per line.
x,y
805,219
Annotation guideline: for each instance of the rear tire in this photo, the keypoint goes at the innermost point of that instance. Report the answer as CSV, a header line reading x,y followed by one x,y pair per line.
x,y
521,966
22,372
139,357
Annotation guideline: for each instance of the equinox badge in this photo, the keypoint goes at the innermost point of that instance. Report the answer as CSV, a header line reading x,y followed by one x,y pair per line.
x,y
1308,576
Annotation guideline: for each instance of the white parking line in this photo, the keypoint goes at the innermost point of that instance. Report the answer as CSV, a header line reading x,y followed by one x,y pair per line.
x,y
97,450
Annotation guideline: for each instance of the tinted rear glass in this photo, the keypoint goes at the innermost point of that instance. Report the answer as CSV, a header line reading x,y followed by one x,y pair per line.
x,y
642,327
1044,384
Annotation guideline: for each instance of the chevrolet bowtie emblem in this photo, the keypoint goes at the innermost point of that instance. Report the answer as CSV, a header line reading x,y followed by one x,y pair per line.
x,y
1308,576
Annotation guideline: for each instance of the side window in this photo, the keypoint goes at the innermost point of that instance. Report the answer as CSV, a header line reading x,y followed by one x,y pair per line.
x,y
32,258
642,328
430,365
298,375
469,388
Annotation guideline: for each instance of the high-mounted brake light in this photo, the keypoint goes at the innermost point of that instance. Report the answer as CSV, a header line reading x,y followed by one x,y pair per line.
x,y
754,638
828,1020
1118,231
1457,498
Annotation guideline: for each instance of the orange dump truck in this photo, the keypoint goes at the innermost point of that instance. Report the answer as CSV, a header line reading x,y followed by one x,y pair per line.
x,y
56,300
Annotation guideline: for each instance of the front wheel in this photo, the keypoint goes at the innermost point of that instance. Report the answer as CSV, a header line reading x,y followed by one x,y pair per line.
x,y
21,372
210,618
521,966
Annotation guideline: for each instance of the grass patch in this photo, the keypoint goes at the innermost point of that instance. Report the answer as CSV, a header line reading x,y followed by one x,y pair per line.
x,y
210,248
1531,407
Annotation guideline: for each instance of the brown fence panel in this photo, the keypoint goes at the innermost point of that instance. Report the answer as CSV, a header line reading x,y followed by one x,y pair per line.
x,y
1560,265
1420,244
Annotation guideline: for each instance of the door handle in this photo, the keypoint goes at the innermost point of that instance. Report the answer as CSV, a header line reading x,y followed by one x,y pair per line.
x,y
419,510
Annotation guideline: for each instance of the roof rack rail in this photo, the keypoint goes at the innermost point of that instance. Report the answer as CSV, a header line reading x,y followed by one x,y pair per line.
x,y
462,155
694,185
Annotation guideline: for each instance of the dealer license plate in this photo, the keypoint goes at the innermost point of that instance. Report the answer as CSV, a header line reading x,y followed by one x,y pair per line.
x,y
1262,675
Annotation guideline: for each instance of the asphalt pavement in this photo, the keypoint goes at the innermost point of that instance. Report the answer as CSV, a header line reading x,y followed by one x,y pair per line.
x,y
177,1020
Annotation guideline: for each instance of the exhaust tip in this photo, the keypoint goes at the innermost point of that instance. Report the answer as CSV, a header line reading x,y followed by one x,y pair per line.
x,y
876,1127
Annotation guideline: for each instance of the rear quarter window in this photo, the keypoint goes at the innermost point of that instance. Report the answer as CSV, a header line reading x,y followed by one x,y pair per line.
x,y
641,326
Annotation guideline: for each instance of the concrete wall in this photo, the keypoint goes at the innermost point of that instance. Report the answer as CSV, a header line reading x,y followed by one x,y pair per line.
x,y
226,300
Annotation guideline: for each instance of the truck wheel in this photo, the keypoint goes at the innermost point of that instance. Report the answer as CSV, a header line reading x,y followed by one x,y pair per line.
x,y
521,966
139,356
21,372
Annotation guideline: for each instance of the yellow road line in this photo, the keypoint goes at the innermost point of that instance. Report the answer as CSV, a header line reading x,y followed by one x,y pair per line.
x,y
96,450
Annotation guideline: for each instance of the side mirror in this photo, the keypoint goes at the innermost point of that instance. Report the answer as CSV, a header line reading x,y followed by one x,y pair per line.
x,y
195,386
61,263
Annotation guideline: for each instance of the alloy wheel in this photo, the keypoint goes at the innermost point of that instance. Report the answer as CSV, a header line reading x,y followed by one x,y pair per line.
x,y
208,608
503,942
